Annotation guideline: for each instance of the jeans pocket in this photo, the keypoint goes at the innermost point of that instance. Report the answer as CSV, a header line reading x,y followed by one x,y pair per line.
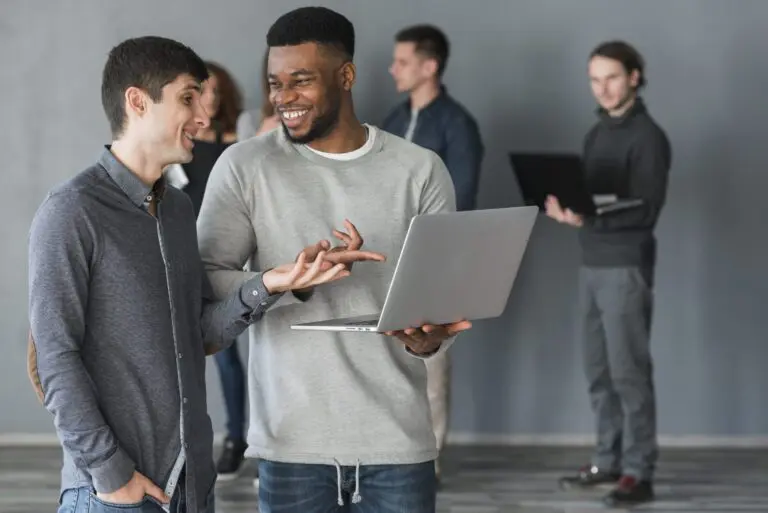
x,y
143,506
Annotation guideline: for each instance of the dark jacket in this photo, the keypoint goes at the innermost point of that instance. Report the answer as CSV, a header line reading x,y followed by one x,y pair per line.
x,y
445,127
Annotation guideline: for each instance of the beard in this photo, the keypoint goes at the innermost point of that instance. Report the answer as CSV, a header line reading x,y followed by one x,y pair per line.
x,y
321,126
623,101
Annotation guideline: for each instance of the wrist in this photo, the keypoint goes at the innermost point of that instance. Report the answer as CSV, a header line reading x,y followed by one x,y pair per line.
x,y
268,279
426,353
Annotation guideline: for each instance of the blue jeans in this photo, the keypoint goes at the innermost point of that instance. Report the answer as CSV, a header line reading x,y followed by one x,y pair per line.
x,y
84,500
298,488
233,387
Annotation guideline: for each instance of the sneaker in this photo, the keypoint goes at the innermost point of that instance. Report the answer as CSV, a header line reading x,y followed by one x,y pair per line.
x,y
629,492
588,477
231,459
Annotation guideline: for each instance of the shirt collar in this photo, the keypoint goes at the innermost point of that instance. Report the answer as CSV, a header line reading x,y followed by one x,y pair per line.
x,y
136,190
433,105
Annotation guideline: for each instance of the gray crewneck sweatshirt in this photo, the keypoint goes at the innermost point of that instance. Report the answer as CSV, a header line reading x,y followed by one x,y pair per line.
x,y
325,397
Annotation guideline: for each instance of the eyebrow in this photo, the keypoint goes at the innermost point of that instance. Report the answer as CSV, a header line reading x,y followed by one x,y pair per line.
x,y
297,73
192,87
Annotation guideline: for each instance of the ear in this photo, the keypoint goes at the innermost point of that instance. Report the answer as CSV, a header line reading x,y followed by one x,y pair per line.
x,y
634,79
348,75
430,67
136,102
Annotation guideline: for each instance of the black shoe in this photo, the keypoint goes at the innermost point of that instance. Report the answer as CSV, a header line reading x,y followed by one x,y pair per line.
x,y
231,458
630,492
588,477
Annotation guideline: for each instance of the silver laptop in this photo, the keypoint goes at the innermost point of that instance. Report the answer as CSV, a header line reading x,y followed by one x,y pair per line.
x,y
453,266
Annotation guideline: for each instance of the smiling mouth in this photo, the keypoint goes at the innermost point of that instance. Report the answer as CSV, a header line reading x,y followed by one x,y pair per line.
x,y
190,139
293,117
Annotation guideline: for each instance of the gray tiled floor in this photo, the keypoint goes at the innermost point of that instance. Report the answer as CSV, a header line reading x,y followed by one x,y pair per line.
x,y
477,480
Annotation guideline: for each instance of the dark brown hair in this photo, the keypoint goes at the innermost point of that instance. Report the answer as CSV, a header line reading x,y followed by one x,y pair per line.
x,y
149,63
430,41
230,99
626,54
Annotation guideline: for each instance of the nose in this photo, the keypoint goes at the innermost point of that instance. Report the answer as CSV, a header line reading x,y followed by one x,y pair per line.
x,y
285,96
202,118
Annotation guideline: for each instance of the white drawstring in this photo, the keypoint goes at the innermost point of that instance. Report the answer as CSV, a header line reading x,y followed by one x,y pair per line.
x,y
340,500
356,496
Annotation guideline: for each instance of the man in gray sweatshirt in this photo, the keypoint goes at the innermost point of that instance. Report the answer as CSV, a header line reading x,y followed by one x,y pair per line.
x,y
121,310
337,419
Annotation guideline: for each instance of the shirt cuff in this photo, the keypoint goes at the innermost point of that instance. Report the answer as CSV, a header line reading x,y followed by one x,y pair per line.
x,y
426,356
255,296
114,473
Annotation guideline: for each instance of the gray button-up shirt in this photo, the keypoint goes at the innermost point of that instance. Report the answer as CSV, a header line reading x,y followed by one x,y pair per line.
x,y
121,317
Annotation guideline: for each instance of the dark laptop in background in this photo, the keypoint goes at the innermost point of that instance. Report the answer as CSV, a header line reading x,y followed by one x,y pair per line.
x,y
561,175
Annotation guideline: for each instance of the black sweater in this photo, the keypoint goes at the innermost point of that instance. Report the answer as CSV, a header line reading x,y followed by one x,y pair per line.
x,y
630,157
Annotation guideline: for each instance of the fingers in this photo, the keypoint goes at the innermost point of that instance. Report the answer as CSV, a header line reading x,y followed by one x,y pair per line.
x,y
312,251
298,267
343,237
449,329
402,337
303,280
336,273
349,256
353,240
323,245
458,327
151,489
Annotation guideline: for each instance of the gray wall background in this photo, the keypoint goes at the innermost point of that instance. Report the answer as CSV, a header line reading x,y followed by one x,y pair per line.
x,y
520,67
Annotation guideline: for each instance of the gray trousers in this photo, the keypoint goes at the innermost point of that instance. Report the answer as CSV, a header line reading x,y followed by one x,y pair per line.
x,y
438,392
615,306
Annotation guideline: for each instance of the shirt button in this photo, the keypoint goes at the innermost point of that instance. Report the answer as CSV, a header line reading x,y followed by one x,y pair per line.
x,y
255,292
185,400
149,197
186,445
180,356
263,303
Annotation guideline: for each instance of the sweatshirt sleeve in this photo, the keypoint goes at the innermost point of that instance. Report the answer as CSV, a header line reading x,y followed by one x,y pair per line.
x,y
226,238
650,160
437,196
62,249
437,193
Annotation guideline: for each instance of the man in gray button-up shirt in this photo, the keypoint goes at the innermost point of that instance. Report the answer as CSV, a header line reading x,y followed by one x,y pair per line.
x,y
121,311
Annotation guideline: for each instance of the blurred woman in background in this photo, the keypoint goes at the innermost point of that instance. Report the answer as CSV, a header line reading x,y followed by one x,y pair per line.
x,y
223,102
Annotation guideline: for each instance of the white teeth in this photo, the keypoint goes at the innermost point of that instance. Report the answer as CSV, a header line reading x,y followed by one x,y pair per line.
x,y
293,114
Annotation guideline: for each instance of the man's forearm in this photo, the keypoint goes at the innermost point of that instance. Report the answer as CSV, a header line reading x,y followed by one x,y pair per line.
x,y
84,434
224,320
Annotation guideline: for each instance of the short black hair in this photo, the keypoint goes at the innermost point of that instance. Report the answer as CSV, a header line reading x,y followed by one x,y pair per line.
x,y
314,25
149,63
429,41
626,54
